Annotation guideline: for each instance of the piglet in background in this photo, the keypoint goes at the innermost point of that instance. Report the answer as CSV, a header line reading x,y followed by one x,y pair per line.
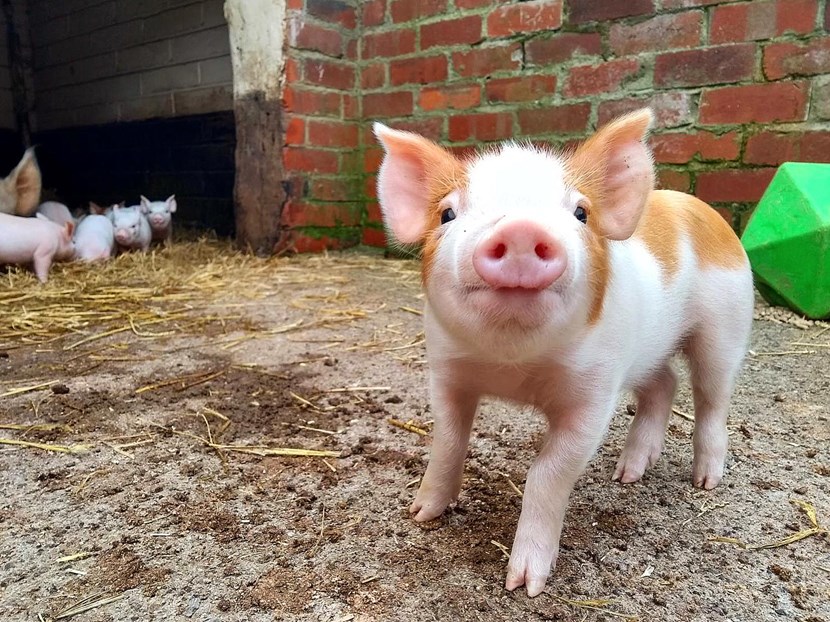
x,y
558,281
37,241
56,212
94,238
94,208
132,231
160,215
20,190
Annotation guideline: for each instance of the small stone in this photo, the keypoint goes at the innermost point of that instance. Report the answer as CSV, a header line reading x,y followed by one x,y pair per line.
x,y
4,354
801,490
631,409
779,398
60,389
393,399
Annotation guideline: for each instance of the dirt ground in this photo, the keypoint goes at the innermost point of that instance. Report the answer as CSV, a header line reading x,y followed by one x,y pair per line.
x,y
162,507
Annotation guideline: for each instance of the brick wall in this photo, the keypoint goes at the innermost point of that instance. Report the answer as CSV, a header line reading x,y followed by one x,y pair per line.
x,y
99,61
738,88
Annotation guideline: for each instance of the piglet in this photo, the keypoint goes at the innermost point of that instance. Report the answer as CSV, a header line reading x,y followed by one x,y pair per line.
x,y
132,231
56,212
160,215
20,190
559,280
37,241
94,238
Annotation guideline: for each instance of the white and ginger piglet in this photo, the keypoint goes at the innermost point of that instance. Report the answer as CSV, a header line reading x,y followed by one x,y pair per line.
x,y
559,280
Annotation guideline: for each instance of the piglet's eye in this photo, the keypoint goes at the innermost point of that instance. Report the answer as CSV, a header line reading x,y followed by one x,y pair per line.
x,y
447,215
581,211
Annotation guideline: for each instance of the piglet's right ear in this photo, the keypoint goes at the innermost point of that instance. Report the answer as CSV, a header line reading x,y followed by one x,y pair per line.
x,y
404,181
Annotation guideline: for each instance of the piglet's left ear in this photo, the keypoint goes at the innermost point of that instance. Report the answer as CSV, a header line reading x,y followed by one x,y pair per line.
x,y
406,179
614,169
171,203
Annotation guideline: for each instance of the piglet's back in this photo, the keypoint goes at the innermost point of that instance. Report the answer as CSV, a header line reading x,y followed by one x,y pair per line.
x,y
671,217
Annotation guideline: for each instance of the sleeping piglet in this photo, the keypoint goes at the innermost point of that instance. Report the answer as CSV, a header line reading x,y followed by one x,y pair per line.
x,y
37,241
559,280
94,238
132,231
160,216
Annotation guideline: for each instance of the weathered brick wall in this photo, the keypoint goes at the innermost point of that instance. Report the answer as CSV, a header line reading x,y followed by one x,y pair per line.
x,y
738,87
322,158
125,60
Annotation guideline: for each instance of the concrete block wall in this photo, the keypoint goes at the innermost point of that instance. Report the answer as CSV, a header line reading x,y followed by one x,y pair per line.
x,y
738,87
7,118
102,61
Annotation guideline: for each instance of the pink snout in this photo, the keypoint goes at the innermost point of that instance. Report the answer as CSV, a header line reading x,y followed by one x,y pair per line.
x,y
519,254
123,236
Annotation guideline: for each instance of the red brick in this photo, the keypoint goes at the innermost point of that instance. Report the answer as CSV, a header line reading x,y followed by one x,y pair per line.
x,y
292,70
582,11
407,10
351,49
511,19
332,189
482,126
663,32
473,4
392,104
374,12
567,119
679,148
431,127
301,243
392,43
688,4
373,212
373,237
733,185
351,107
484,61
525,88
713,65
776,148
332,134
464,30
308,36
762,19
418,70
334,214
296,5
788,59
311,102
339,76
759,103
669,179
671,108
454,96
562,47
372,157
309,160
603,78
373,76
333,11
295,131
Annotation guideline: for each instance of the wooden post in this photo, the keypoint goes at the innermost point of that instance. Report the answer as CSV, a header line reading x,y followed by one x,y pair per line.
x,y
257,32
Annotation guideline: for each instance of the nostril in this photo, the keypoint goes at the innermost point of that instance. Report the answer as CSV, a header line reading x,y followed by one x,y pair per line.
x,y
543,251
499,251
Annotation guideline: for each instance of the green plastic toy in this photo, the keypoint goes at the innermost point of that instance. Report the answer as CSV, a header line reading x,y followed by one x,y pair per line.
x,y
787,239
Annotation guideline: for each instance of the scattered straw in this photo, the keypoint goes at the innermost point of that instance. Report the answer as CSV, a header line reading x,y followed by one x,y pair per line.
x,y
408,425
69,449
37,387
808,508
682,414
36,427
82,606
74,557
504,550
596,605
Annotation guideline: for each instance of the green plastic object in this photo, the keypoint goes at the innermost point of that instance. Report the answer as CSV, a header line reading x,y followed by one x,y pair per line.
x,y
787,239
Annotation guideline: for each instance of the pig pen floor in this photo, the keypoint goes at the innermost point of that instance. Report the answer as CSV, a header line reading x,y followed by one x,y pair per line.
x,y
170,507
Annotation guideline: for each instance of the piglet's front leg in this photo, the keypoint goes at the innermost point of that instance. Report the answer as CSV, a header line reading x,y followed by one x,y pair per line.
x,y
454,412
571,441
